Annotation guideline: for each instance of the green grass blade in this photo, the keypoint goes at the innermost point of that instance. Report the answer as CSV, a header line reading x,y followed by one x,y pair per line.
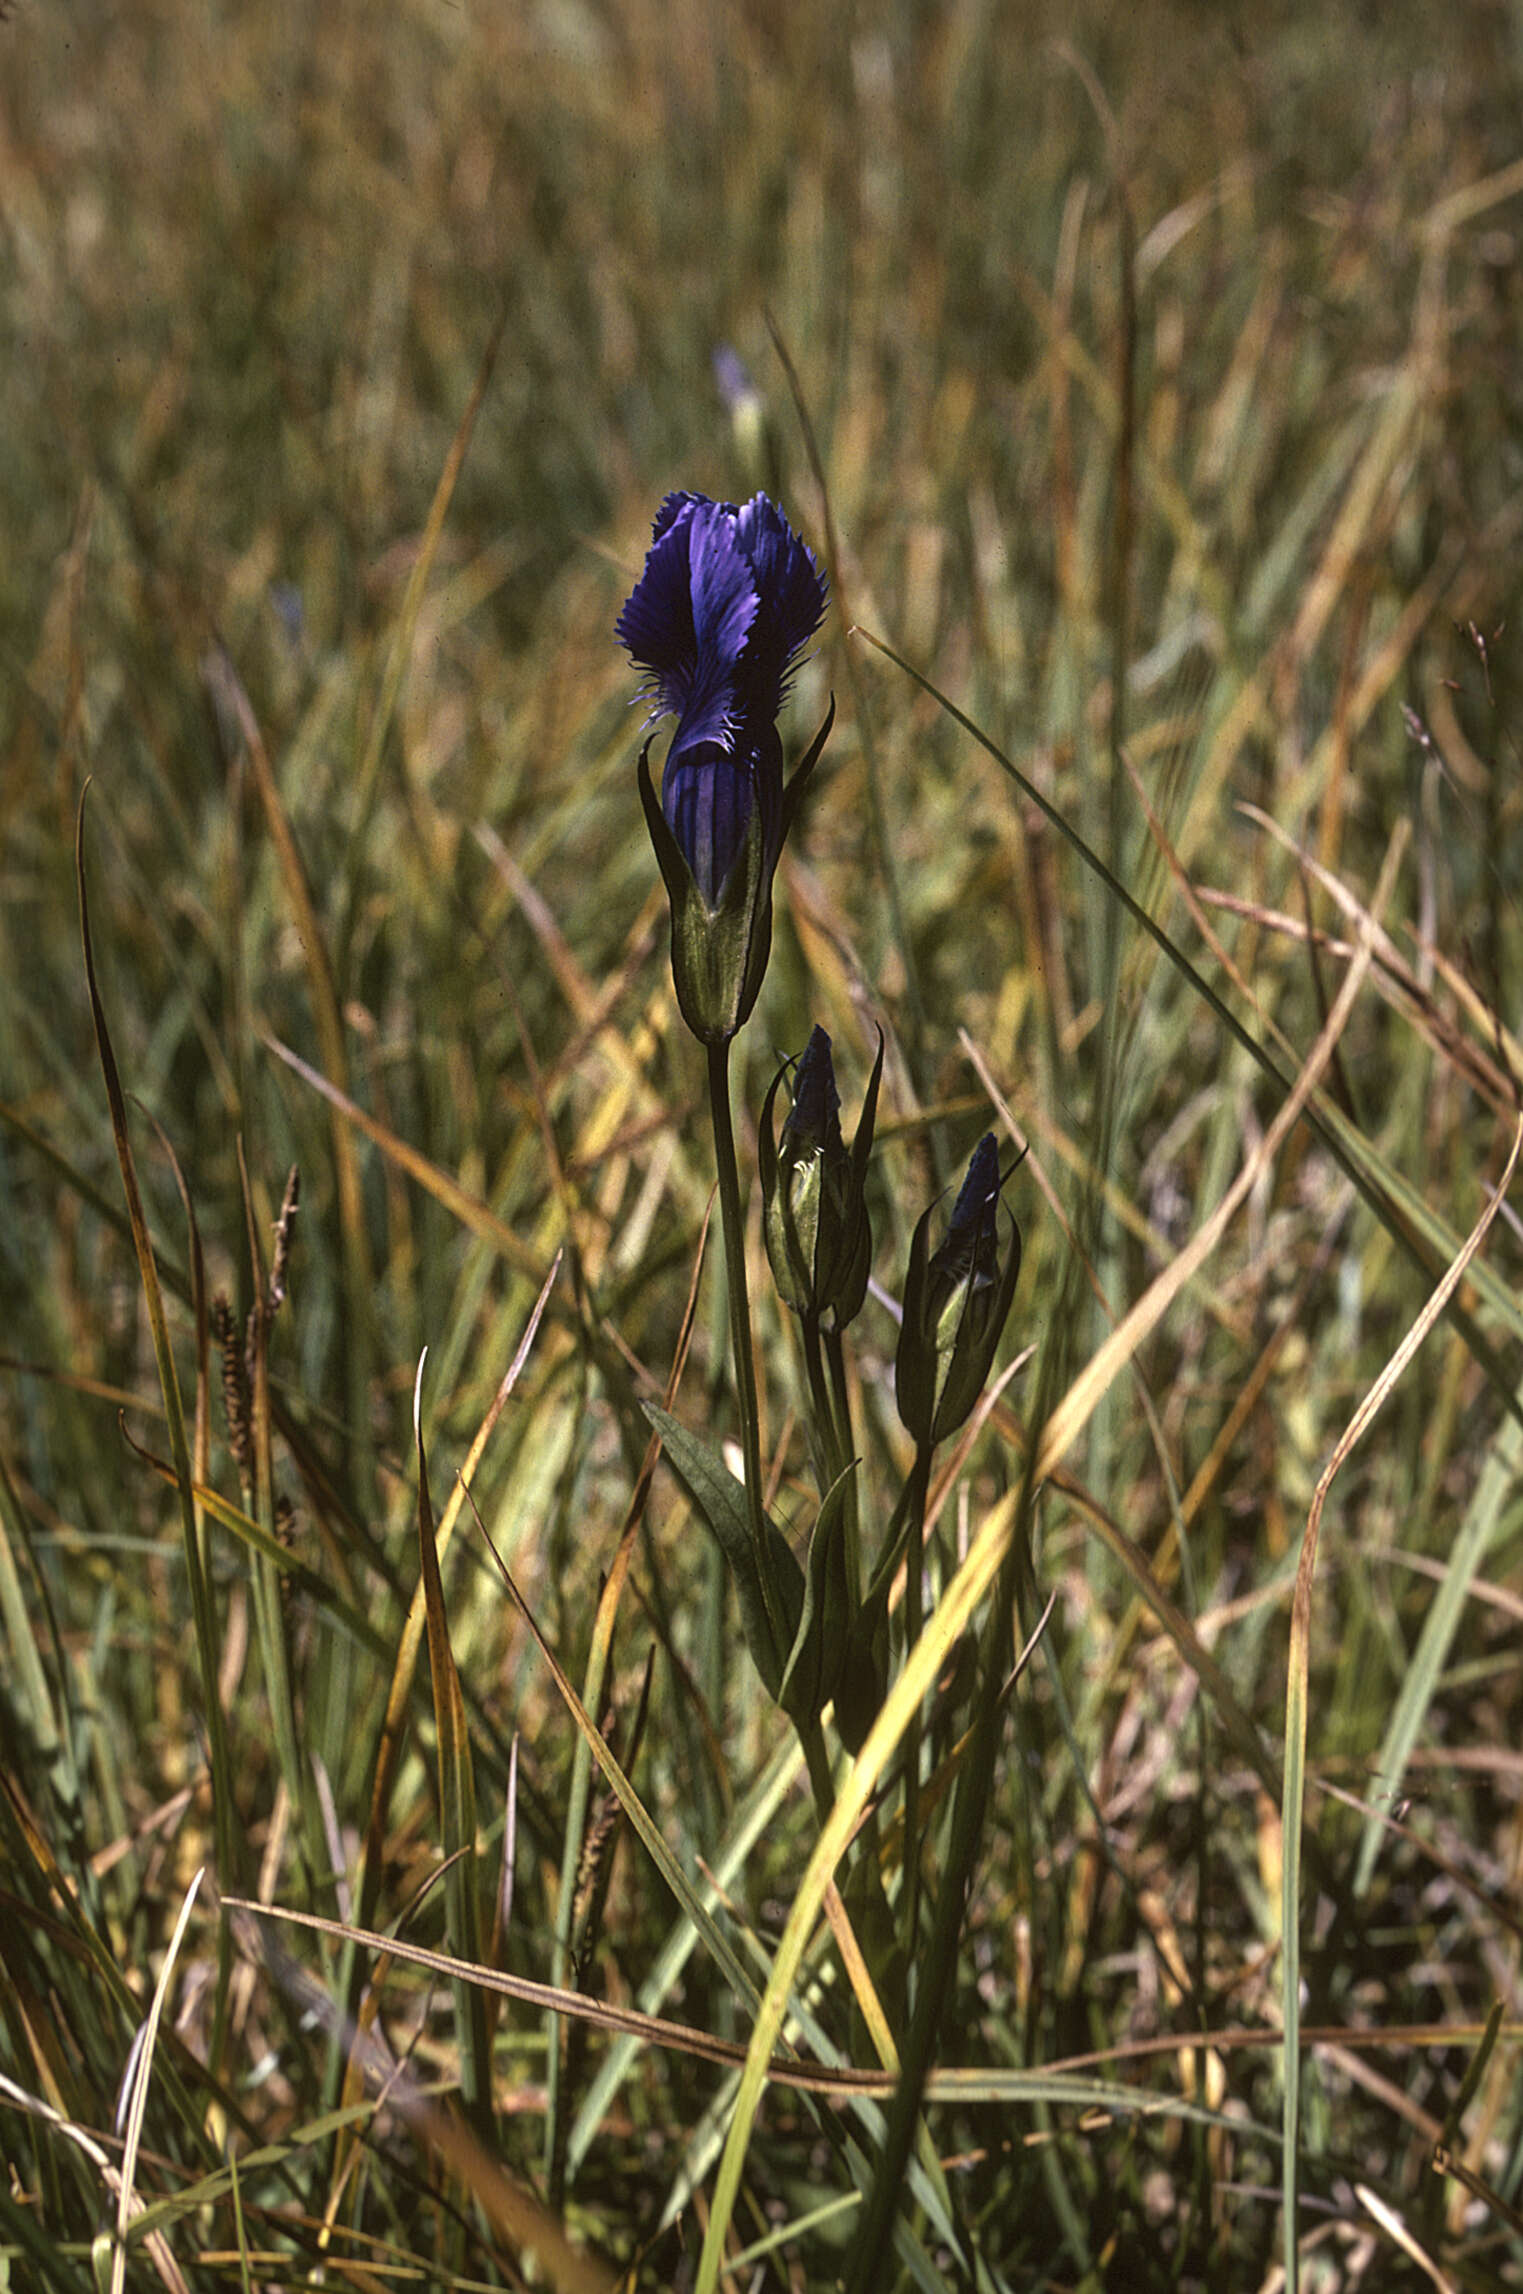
x,y
227,1830
457,1799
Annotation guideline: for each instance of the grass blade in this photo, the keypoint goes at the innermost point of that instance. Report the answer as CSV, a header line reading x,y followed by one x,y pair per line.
x,y
226,1830
457,1798
1296,1704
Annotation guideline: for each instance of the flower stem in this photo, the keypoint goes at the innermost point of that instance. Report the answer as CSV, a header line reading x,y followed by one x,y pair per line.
x,y
826,1439
916,1491
740,1330
835,1354
817,1761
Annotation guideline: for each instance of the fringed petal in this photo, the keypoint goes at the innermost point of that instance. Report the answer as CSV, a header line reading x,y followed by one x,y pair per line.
x,y
656,625
792,588
724,607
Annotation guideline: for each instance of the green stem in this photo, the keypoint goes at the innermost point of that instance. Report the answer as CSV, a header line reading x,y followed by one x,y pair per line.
x,y
846,1450
825,1436
874,2228
916,1491
740,1331
817,1761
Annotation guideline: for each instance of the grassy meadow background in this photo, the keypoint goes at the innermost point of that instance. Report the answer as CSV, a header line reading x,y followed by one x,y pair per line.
x,y
1163,368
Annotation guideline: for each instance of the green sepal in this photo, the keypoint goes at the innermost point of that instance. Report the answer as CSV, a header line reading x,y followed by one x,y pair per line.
x,y
854,1283
766,1142
793,793
793,1277
721,1500
719,955
916,1363
830,1603
970,1357
943,1362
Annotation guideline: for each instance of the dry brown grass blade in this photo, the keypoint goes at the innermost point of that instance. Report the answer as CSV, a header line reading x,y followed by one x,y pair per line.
x,y
1389,957
513,2210
457,1785
948,2081
466,1207
1191,1649
1246,1399
1401,988
618,1570
75,1382
593,1004
413,1628
388,1753
653,1840
1078,1404
650,2030
412,600
1403,2239
1298,1663
128,2203
1375,1399
1195,905
155,2244
225,683
169,1381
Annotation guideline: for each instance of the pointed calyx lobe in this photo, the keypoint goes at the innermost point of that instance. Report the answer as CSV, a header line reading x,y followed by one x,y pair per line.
x,y
956,1299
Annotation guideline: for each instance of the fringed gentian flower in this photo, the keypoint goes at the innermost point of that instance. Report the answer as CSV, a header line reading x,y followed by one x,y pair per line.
x,y
956,1300
727,599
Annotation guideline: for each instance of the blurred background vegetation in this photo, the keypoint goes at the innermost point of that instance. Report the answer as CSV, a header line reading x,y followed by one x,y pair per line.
x,y
1165,371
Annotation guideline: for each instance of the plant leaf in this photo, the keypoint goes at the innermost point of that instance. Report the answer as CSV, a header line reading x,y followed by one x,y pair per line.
x,y
828,1612
721,1499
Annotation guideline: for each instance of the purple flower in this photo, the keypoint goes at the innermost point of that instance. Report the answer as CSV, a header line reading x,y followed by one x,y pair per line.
x,y
727,598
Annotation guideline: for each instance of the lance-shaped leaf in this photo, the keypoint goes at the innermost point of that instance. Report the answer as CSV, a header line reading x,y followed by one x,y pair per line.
x,y
721,1500
830,1602
862,1682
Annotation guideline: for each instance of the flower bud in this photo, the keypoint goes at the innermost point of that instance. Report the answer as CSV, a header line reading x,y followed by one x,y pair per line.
x,y
956,1300
819,1239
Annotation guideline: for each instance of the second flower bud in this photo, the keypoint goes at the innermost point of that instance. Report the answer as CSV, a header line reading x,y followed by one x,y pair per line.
x,y
819,1240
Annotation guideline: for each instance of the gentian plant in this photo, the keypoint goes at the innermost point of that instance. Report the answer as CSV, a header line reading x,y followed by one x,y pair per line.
x,y
728,598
